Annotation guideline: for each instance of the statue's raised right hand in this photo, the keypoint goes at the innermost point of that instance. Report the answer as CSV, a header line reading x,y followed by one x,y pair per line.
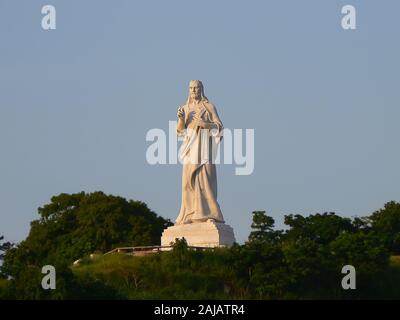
x,y
180,113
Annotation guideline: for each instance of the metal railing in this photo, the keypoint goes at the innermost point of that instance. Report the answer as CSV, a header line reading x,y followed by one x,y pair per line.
x,y
150,249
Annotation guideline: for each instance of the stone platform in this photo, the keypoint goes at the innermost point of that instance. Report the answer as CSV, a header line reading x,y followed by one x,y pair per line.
x,y
200,234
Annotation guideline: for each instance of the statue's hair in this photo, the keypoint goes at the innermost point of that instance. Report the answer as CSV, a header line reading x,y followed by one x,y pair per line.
x,y
203,97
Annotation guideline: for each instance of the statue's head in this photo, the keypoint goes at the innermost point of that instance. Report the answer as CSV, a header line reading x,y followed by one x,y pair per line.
x,y
196,90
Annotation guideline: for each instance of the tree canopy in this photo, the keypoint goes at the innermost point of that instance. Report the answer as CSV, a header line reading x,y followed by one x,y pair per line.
x,y
74,225
386,223
304,260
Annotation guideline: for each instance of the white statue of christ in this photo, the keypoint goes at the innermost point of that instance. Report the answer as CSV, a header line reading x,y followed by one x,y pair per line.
x,y
201,129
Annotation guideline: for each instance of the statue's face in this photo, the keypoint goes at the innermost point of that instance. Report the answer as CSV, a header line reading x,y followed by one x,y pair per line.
x,y
195,90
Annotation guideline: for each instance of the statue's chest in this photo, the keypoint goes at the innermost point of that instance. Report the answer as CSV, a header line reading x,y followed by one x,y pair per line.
x,y
200,111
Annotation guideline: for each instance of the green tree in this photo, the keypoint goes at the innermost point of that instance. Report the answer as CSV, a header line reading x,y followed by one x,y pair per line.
x,y
263,228
316,248
4,246
321,228
368,253
386,222
74,225
261,259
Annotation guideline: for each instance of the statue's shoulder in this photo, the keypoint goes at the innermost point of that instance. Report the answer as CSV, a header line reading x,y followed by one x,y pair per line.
x,y
210,106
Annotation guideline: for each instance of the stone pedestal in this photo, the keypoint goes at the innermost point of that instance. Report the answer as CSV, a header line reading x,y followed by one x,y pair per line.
x,y
200,234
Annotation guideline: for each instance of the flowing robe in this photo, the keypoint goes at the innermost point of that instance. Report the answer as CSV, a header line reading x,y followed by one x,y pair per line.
x,y
199,176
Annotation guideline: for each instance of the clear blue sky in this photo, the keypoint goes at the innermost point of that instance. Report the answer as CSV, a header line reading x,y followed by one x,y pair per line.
x,y
76,102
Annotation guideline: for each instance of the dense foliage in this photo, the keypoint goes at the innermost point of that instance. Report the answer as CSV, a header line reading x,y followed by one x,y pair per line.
x,y
74,225
302,262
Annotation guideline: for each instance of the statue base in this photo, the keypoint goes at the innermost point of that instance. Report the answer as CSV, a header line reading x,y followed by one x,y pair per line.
x,y
200,234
